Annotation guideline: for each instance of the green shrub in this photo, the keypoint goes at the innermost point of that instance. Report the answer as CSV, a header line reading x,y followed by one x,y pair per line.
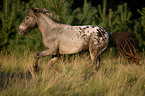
x,y
139,29
113,20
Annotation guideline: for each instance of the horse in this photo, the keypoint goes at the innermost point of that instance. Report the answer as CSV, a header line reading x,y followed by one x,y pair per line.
x,y
60,38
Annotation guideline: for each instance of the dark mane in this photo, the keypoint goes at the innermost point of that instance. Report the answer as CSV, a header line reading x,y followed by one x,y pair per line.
x,y
49,14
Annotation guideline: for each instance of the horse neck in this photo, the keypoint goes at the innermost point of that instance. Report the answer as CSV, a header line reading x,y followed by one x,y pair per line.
x,y
45,24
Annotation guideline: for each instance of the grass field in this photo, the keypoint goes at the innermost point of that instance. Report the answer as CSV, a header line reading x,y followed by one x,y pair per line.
x,y
116,77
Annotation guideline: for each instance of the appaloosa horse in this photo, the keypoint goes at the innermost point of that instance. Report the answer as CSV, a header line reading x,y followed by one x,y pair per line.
x,y
60,38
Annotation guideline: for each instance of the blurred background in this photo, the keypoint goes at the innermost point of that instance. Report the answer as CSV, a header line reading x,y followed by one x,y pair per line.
x,y
113,15
116,76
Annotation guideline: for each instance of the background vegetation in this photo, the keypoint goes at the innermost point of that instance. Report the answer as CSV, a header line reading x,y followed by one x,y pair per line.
x,y
115,77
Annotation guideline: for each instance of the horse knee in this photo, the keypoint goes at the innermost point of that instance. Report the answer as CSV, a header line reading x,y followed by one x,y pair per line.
x,y
53,60
37,56
51,63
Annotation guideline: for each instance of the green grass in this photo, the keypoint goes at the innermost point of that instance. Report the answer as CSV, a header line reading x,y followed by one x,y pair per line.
x,y
115,77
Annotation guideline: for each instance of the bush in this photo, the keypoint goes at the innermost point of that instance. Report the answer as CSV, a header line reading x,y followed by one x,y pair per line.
x,y
117,20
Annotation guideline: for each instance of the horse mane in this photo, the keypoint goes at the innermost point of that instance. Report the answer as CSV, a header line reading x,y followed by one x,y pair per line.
x,y
49,14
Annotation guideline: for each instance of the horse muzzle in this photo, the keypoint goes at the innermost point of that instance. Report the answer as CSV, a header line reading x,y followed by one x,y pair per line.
x,y
20,31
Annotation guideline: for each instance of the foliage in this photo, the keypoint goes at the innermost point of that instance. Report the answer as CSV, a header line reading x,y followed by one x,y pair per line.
x,y
139,29
85,15
142,12
113,20
10,19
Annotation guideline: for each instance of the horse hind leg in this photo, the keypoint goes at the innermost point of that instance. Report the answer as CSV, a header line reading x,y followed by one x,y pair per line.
x,y
95,63
95,52
95,60
94,57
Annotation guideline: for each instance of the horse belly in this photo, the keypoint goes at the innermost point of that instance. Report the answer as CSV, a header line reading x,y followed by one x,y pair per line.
x,y
72,47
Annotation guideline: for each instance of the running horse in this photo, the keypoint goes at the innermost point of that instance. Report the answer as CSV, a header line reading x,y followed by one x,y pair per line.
x,y
60,38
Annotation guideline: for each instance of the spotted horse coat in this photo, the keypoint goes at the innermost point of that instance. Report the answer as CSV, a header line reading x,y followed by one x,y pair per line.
x,y
62,38
94,37
79,38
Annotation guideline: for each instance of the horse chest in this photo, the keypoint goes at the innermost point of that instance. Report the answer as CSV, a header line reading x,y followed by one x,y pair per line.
x,y
51,42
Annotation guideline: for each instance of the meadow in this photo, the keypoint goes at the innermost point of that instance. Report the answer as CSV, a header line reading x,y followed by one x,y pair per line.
x,y
116,76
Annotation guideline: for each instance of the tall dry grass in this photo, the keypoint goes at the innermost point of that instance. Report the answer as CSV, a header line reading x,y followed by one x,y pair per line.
x,y
116,77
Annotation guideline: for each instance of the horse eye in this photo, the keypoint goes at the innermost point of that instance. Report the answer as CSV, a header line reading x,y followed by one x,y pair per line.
x,y
27,18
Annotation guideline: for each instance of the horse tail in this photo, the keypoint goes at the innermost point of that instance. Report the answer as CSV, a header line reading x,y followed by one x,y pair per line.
x,y
125,45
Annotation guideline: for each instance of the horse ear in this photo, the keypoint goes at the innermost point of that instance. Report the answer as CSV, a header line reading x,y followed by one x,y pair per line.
x,y
33,11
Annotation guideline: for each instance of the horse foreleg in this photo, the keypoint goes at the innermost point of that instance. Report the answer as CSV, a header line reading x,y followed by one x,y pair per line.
x,y
51,63
41,54
35,66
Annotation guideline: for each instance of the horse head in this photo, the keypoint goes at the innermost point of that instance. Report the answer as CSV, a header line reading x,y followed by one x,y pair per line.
x,y
29,21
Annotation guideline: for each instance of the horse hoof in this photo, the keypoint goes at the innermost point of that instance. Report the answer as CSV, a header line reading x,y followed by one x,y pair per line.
x,y
36,68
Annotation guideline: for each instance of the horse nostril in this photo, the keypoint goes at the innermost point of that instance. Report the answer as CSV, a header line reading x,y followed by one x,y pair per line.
x,y
20,31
